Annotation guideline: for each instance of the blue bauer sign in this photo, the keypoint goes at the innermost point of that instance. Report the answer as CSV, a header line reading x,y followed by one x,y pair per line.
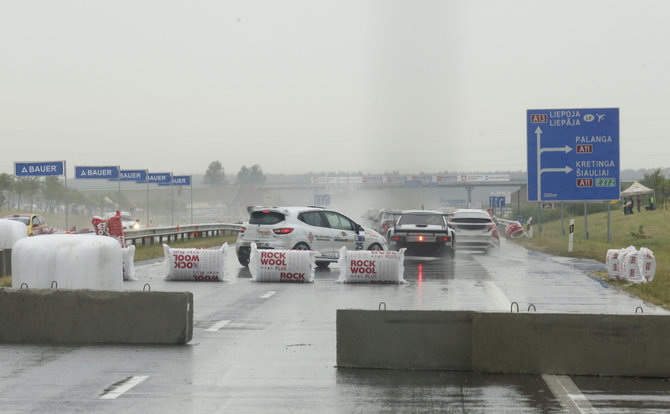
x,y
160,178
573,154
39,169
179,180
105,172
138,176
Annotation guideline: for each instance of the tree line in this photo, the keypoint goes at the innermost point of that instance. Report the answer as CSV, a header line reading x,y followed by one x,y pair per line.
x,y
247,176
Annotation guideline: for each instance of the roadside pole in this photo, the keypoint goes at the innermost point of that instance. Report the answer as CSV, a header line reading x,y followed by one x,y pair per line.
x,y
609,233
586,229
562,220
571,237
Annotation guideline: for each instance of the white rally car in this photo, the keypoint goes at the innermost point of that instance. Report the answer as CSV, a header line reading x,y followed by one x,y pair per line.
x,y
304,228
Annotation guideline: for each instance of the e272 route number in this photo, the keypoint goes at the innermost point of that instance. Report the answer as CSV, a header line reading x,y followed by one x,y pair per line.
x,y
605,182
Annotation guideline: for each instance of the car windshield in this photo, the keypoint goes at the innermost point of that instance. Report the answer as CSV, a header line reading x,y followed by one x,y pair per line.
x,y
127,217
421,219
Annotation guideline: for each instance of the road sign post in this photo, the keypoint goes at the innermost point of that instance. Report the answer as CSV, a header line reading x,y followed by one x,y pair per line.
x,y
573,155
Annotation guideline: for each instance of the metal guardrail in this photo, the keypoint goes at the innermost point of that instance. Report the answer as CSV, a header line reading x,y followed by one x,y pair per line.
x,y
152,234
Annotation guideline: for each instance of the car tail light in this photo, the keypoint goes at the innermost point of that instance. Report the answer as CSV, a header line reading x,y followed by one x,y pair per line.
x,y
420,238
446,239
242,229
283,230
396,238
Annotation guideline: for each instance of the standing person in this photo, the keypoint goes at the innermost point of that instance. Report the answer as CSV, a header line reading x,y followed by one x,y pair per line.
x,y
651,202
638,204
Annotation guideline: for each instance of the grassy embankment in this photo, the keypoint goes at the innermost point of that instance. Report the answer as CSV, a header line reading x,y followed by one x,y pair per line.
x,y
152,252
649,229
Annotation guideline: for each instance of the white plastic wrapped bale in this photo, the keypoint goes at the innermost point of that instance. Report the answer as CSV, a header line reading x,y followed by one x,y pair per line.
x,y
11,231
612,263
73,261
622,258
288,266
128,262
647,264
196,264
371,266
639,266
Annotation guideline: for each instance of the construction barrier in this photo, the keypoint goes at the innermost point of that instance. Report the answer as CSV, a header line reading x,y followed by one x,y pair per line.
x,y
195,264
292,266
371,266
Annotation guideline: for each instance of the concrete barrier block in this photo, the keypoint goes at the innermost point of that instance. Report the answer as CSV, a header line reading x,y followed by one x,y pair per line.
x,y
433,340
572,344
95,316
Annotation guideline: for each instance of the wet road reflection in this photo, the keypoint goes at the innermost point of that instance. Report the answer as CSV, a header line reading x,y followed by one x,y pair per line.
x,y
271,347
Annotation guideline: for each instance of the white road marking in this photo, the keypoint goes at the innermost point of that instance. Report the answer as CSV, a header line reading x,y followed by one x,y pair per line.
x,y
567,394
122,387
268,294
497,295
217,326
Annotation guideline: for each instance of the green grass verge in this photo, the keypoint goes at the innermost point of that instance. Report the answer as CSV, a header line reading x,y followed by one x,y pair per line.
x,y
649,229
156,250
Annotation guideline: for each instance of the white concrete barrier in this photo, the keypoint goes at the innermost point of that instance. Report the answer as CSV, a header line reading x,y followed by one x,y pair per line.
x,y
72,261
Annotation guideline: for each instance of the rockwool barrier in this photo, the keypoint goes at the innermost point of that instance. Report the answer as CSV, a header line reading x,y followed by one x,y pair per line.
x,y
505,343
287,266
371,266
631,265
207,264
59,316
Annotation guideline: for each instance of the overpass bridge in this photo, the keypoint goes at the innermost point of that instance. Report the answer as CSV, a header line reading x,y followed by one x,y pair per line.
x,y
343,186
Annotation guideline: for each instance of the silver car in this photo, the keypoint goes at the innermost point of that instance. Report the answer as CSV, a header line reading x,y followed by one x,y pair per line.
x,y
475,230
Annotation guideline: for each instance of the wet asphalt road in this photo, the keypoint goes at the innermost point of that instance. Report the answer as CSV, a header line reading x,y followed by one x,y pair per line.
x,y
266,347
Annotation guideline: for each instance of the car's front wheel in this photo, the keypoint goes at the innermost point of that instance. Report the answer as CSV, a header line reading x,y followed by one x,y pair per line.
x,y
375,246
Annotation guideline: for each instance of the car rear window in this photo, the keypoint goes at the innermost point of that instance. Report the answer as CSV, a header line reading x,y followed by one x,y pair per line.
x,y
421,219
266,217
470,220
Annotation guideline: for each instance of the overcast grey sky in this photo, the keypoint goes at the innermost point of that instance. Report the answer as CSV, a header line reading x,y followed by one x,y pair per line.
x,y
299,86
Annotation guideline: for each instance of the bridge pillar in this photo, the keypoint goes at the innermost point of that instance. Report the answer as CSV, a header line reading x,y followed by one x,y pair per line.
x,y
469,190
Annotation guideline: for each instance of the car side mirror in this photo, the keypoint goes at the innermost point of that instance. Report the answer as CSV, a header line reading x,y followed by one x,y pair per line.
x,y
358,228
